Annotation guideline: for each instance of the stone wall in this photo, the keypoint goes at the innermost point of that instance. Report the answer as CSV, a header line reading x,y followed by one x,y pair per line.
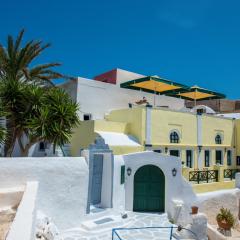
x,y
218,105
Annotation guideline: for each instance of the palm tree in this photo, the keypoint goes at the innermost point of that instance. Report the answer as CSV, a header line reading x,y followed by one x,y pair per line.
x,y
49,116
16,61
37,114
2,126
16,66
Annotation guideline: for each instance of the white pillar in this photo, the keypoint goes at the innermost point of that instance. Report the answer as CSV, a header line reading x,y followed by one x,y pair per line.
x,y
199,141
237,180
148,125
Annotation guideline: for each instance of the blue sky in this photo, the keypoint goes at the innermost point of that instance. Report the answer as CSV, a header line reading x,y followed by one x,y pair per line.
x,y
187,41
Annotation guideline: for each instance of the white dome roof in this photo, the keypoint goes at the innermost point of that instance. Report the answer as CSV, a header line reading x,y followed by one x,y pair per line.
x,y
206,109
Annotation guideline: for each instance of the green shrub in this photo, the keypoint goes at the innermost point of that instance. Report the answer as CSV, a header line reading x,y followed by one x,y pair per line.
x,y
225,215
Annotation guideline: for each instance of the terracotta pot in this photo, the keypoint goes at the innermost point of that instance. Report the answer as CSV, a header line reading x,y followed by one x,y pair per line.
x,y
224,225
194,209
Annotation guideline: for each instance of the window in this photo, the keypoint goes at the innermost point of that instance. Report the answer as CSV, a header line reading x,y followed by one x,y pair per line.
x,y
122,174
218,139
189,158
229,157
42,146
157,150
207,158
218,157
174,137
200,111
87,117
238,160
174,153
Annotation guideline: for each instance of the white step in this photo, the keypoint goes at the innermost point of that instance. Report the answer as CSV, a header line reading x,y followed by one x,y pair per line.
x,y
104,223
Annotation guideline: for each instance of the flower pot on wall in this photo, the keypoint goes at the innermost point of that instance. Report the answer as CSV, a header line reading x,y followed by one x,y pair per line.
x,y
194,210
225,219
224,225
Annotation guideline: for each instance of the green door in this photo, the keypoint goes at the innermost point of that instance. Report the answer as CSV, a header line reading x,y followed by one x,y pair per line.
x,y
149,189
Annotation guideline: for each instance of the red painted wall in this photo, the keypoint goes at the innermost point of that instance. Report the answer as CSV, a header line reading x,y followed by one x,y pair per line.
x,y
109,77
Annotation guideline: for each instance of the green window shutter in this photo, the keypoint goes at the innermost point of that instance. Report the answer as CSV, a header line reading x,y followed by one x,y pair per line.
x,y
122,174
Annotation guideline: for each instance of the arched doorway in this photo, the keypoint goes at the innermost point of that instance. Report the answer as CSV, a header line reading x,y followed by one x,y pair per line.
x,y
149,189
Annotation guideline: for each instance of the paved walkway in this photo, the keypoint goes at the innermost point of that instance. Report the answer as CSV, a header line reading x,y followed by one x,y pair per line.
x,y
135,220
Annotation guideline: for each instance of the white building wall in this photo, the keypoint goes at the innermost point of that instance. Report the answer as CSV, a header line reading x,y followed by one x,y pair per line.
x,y
99,98
119,189
106,193
71,88
63,185
124,76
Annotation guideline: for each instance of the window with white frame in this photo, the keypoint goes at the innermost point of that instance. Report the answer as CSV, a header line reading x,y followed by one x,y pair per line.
x,y
189,158
207,158
157,150
174,137
219,157
229,157
87,116
174,152
218,139
238,160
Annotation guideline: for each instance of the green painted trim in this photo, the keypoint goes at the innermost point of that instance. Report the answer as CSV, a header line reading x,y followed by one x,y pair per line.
x,y
122,174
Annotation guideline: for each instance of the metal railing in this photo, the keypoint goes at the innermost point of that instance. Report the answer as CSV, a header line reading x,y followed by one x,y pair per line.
x,y
230,173
203,176
116,234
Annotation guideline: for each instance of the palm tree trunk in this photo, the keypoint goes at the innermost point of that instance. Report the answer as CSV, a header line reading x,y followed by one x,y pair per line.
x,y
24,153
10,138
25,149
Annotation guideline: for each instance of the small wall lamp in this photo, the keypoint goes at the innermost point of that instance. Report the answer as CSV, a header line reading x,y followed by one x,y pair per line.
x,y
199,148
166,149
174,172
129,171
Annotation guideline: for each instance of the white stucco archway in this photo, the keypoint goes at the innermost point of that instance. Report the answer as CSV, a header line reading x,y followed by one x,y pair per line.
x,y
176,188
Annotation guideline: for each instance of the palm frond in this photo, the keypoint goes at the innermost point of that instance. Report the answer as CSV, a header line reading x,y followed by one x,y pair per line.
x,y
18,40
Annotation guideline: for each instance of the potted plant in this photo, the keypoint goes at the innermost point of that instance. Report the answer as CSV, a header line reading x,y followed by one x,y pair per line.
x,y
225,219
194,210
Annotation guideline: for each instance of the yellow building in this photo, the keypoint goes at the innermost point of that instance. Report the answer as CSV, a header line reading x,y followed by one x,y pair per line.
x,y
237,130
200,140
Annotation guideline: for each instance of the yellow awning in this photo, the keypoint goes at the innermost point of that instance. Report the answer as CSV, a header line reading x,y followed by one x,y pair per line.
x,y
196,93
153,84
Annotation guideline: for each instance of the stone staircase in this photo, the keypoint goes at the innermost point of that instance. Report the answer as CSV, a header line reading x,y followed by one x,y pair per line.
x,y
99,223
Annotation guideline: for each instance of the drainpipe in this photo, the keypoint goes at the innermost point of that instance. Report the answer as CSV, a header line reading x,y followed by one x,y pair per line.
x,y
199,141
148,127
